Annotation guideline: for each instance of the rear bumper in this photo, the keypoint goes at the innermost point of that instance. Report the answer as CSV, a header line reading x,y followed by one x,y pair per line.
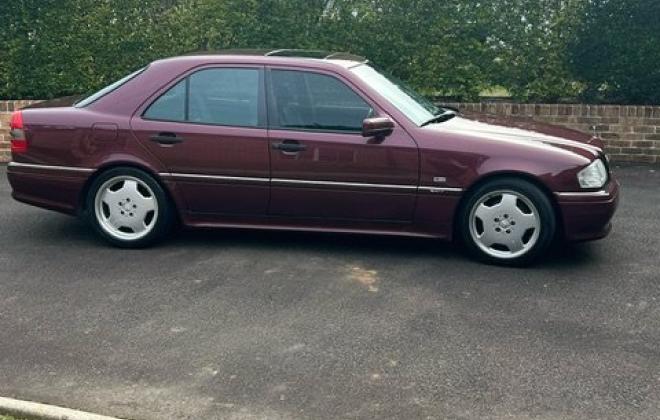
x,y
53,188
588,216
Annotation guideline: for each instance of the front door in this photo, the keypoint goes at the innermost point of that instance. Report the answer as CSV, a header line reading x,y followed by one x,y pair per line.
x,y
321,166
208,129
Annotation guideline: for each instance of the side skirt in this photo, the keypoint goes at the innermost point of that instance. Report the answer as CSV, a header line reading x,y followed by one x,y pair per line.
x,y
309,225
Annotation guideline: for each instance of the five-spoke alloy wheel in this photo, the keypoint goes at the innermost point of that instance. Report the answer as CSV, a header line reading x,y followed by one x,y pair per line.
x,y
507,221
128,207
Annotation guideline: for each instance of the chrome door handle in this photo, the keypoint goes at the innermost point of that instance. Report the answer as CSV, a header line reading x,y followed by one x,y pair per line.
x,y
289,146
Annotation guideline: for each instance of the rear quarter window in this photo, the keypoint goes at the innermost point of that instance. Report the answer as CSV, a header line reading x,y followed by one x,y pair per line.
x,y
171,106
110,88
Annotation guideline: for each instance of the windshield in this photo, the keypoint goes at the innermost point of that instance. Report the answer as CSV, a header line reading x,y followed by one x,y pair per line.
x,y
417,108
101,93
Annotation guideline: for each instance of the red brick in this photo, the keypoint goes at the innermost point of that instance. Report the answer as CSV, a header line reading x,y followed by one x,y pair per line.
x,y
589,120
527,110
621,158
550,109
646,129
610,136
619,143
645,158
643,143
612,111
633,137
630,111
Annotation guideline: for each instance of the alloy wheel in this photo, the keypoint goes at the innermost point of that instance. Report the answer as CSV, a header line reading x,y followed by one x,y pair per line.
x,y
126,208
505,224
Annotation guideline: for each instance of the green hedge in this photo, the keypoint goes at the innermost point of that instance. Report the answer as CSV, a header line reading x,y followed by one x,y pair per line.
x,y
537,50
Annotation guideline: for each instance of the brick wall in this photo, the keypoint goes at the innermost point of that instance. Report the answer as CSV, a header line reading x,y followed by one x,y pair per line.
x,y
6,108
631,133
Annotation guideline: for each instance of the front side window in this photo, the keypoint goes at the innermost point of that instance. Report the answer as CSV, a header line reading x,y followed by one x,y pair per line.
x,y
212,96
312,101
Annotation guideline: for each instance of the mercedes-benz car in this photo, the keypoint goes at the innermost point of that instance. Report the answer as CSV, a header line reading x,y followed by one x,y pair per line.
x,y
311,141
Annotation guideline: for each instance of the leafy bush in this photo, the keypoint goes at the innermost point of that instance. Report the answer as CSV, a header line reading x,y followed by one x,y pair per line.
x,y
60,47
452,48
616,51
530,38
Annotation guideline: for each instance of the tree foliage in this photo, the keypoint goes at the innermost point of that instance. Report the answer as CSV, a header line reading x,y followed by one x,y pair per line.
x,y
616,51
530,38
535,49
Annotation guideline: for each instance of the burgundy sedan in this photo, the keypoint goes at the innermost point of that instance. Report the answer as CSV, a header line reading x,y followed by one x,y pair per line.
x,y
306,141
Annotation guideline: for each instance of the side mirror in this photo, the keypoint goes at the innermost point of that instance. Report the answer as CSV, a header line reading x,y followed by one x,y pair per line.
x,y
380,127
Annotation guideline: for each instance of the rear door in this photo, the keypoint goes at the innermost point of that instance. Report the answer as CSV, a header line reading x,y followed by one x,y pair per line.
x,y
321,165
208,128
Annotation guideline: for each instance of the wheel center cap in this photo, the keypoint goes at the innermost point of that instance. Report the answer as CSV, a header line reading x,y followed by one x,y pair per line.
x,y
504,224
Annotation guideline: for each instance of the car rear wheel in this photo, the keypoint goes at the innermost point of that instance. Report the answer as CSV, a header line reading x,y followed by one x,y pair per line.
x,y
128,208
508,221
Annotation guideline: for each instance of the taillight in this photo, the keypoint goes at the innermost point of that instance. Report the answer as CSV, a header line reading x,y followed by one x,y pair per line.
x,y
18,140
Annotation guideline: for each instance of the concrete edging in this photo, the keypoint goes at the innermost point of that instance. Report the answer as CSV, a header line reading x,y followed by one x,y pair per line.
x,y
38,411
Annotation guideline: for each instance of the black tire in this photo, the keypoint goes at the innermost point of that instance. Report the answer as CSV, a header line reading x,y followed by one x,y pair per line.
x,y
511,186
162,219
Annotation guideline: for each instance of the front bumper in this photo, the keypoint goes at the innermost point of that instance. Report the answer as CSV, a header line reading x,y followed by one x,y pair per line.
x,y
588,216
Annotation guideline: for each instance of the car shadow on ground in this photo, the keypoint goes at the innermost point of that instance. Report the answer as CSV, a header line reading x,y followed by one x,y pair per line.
x,y
75,231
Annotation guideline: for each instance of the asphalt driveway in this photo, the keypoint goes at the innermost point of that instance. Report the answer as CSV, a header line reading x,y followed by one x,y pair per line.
x,y
250,325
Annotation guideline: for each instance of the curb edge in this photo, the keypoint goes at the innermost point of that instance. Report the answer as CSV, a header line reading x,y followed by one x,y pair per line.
x,y
33,410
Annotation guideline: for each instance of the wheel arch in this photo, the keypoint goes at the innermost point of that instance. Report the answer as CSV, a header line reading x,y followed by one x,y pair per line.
x,y
82,199
531,178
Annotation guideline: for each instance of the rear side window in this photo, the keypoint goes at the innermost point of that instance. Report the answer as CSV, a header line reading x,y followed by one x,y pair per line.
x,y
212,96
313,101
225,97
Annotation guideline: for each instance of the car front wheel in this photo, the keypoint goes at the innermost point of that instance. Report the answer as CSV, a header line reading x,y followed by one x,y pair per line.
x,y
508,221
128,208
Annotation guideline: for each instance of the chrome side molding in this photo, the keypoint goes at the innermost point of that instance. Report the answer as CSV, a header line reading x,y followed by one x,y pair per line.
x,y
49,167
213,177
285,181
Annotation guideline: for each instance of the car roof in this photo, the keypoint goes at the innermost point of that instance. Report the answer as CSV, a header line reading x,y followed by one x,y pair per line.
x,y
277,56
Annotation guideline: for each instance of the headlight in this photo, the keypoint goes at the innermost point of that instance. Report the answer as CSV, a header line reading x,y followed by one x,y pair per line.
x,y
594,175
